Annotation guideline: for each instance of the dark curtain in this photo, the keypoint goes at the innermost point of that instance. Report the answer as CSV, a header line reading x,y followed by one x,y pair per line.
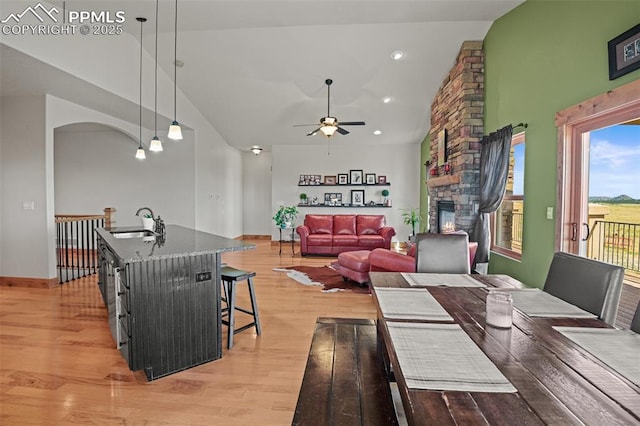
x,y
494,167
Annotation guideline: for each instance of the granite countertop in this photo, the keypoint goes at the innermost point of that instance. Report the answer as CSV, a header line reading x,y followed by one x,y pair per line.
x,y
179,241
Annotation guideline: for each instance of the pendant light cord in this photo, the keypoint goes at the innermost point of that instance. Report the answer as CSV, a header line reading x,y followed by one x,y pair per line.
x,y
156,79
175,65
140,118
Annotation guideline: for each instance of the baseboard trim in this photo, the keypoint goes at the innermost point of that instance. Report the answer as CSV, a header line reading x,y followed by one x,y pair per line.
x,y
255,237
29,282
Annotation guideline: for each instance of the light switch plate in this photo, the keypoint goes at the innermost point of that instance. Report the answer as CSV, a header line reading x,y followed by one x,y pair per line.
x,y
549,212
28,205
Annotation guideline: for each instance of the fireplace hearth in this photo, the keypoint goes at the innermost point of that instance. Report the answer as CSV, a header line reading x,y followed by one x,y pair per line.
x,y
446,216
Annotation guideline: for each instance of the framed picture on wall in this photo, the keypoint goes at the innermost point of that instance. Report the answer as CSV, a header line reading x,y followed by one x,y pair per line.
x,y
370,178
357,197
442,147
382,179
624,53
355,177
329,180
343,179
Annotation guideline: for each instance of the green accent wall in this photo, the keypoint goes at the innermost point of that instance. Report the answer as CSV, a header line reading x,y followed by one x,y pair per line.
x,y
541,58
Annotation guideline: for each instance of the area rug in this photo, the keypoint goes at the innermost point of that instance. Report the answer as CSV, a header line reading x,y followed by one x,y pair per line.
x,y
325,276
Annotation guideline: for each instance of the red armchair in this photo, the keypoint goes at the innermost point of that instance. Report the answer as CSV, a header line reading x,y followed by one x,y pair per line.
x,y
333,234
381,260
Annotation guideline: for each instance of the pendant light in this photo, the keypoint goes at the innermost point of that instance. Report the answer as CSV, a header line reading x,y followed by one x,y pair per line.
x,y
156,144
175,132
140,155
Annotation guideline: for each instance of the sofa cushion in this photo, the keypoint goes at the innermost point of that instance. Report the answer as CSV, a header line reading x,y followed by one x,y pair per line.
x,y
369,224
319,223
320,240
370,241
344,224
345,240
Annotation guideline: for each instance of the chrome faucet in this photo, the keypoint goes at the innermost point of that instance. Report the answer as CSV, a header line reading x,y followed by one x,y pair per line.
x,y
159,227
145,208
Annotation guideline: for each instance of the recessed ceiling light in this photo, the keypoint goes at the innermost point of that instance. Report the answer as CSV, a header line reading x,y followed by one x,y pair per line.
x,y
386,99
396,55
377,132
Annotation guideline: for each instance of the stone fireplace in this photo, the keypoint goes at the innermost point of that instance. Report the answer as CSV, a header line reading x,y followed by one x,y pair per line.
x,y
453,169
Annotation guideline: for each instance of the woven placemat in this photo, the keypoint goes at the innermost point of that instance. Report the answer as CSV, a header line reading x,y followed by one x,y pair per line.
x,y
447,280
443,357
411,304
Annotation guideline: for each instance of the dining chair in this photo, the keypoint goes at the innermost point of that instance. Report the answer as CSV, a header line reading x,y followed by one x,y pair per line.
x,y
586,283
442,253
635,322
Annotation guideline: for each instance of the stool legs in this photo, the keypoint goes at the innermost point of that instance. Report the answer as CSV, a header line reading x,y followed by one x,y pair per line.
x,y
229,288
254,306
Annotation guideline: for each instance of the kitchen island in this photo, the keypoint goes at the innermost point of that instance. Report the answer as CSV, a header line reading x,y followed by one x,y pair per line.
x,y
162,294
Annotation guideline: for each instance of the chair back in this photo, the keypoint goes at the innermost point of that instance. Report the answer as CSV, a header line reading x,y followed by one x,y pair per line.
x,y
635,322
442,253
586,283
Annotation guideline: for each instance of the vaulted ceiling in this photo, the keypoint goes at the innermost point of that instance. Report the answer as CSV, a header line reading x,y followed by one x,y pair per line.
x,y
256,68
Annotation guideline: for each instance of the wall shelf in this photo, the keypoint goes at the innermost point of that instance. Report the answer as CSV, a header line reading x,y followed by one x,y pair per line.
x,y
379,206
349,184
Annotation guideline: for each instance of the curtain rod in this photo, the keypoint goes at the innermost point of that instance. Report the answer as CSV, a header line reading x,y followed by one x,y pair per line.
x,y
525,125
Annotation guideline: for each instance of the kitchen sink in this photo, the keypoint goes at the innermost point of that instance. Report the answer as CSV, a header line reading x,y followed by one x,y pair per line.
x,y
133,234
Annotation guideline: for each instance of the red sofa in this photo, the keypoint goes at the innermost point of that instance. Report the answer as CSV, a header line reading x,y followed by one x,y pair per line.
x,y
333,234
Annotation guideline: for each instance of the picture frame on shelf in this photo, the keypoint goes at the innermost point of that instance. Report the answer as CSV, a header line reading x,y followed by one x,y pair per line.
x,y
370,178
329,180
343,179
303,180
317,179
356,177
327,198
357,197
382,179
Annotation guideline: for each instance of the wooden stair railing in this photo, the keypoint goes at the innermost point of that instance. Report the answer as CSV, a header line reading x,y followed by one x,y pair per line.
x,y
76,247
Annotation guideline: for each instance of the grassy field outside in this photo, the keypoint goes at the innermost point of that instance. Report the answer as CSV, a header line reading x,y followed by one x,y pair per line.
x,y
624,213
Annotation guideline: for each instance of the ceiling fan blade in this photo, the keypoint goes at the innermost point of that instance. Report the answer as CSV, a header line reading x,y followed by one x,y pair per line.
x,y
352,123
303,125
314,132
342,131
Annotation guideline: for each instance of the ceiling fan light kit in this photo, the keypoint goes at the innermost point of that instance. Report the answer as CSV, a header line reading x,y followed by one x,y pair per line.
x,y
330,125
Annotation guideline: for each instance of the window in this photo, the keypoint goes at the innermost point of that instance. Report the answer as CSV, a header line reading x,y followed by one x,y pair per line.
x,y
508,219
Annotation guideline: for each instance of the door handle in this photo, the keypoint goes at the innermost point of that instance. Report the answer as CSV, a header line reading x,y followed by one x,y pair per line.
x,y
574,231
588,232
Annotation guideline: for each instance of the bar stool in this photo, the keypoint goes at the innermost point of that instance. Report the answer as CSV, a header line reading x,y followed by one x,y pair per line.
x,y
230,276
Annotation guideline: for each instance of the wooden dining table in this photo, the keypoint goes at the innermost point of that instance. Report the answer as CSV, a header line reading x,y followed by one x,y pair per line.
x,y
556,380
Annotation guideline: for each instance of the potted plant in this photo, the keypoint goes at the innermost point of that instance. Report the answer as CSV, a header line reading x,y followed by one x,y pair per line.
x,y
385,194
411,217
285,216
303,198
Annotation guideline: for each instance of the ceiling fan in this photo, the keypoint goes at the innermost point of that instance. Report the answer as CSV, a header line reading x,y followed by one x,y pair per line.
x,y
329,125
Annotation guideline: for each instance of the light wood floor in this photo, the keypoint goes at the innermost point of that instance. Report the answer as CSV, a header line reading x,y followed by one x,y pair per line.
x,y
58,364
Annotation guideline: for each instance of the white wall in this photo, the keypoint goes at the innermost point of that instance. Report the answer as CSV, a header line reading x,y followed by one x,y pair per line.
x,y
25,249
97,169
257,193
399,163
